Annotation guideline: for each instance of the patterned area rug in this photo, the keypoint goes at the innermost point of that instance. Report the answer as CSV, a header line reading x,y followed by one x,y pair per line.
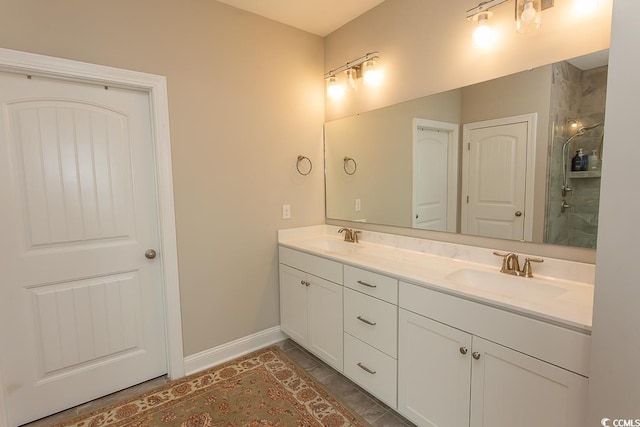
x,y
261,389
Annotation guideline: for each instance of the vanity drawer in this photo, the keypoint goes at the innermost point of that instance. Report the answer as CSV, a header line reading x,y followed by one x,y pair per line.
x,y
318,266
374,284
360,310
373,370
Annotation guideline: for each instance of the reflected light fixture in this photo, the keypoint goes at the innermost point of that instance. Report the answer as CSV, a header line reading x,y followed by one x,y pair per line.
x,y
574,124
364,67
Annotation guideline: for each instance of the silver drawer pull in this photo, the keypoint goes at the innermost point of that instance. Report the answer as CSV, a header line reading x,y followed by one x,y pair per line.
x,y
366,284
364,368
368,322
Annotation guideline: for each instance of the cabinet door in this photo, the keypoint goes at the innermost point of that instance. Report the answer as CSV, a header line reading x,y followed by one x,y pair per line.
x,y
325,321
512,389
433,373
293,303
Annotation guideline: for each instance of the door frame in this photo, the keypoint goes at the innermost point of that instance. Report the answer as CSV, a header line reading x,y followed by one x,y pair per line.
x,y
532,122
453,129
156,87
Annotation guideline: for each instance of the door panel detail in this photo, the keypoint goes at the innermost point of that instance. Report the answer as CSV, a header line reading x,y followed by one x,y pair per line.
x,y
74,166
86,320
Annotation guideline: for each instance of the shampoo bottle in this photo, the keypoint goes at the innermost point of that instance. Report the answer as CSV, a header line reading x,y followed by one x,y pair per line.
x,y
585,162
576,161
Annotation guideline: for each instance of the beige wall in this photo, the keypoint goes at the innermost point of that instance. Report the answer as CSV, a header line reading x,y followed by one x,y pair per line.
x,y
245,98
425,48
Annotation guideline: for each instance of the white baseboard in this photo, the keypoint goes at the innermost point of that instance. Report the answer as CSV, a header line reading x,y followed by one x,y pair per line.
x,y
217,355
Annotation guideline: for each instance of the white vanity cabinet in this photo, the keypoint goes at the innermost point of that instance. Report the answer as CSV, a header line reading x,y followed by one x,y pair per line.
x,y
371,332
311,304
449,376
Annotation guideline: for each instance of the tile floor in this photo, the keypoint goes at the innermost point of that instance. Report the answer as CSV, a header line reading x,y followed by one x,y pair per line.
x,y
369,408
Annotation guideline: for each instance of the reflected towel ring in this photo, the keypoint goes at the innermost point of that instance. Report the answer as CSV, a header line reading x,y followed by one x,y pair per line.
x,y
300,159
355,165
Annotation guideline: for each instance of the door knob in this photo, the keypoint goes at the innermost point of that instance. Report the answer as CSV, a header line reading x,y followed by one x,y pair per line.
x,y
150,254
518,213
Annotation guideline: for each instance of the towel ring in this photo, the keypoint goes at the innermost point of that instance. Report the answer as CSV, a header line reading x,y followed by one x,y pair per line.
x,y
355,165
300,159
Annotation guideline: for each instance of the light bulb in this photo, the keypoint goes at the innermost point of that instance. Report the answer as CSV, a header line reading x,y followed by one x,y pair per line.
x,y
335,90
351,79
529,12
483,36
528,16
371,75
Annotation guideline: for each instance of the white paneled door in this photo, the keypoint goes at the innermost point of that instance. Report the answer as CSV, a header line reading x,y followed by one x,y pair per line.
x,y
81,311
495,164
435,175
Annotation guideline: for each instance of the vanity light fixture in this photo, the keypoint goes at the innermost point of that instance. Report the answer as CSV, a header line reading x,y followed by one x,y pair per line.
x,y
364,67
528,16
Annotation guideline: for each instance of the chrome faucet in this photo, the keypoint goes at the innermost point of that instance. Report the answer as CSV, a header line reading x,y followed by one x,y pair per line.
x,y
349,235
511,264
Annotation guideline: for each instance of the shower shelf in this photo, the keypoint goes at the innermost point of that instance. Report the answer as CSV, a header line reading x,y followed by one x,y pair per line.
x,y
584,174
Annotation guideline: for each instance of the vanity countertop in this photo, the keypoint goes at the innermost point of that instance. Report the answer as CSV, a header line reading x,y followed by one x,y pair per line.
x,y
563,302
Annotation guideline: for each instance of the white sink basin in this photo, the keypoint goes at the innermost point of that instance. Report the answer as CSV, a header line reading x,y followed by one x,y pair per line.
x,y
505,286
327,245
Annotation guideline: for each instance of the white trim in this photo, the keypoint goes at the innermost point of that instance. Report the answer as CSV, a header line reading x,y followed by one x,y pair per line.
x,y
532,122
156,86
229,351
453,129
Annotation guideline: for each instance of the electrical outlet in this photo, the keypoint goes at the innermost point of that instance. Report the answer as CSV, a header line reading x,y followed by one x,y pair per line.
x,y
286,211
358,205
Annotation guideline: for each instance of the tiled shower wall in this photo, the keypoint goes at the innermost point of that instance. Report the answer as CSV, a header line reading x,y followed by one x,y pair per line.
x,y
575,94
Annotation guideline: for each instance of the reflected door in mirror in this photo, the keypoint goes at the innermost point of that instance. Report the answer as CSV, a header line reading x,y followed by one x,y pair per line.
x,y
435,176
494,172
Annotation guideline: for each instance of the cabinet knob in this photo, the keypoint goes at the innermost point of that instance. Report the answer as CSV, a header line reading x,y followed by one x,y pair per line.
x,y
475,355
302,282
463,350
